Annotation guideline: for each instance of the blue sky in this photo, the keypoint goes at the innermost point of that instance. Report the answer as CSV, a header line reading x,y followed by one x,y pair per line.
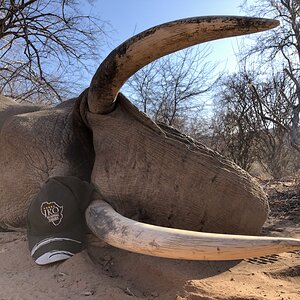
x,y
133,16
130,17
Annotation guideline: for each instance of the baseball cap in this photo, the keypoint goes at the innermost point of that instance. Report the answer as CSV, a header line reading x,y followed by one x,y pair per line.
x,y
56,227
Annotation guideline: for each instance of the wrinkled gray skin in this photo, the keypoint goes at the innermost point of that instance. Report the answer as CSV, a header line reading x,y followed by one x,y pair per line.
x,y
36,143
145,171
56,142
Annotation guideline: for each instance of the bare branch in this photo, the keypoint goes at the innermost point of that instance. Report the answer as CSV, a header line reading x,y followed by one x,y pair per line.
x,y
169,89
50,38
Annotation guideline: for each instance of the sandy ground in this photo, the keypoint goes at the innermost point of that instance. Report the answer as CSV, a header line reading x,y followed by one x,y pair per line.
x,y
109,273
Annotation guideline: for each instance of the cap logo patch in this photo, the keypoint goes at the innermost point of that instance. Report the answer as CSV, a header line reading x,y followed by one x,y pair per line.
x,y
52,212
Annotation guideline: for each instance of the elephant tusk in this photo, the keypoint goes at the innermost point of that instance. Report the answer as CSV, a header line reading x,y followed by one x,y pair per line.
x,y
158,41
138,237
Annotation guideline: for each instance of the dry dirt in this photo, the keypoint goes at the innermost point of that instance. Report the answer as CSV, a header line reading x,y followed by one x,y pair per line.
x,y
108,273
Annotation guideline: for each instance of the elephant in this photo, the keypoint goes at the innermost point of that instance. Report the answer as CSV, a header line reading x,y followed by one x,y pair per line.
x,y
159,192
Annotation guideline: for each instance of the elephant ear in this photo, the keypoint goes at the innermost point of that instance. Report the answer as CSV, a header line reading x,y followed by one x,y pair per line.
x,y
158,41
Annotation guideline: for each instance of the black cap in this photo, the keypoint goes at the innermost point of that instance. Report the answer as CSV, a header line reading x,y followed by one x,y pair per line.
x,y
55,220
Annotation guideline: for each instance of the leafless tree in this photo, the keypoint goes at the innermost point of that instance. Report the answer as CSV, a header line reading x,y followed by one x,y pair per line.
x,y
281,48
45,47
234,134
252,120
273,118
169,89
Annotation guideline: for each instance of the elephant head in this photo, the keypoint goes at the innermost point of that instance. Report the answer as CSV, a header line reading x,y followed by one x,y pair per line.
x,y
157,175
159,192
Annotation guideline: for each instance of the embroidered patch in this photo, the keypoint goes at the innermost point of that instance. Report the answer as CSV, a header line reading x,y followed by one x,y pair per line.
x,y
52,212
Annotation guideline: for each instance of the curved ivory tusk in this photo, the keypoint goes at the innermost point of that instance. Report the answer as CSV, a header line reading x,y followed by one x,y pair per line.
x,y
130,235
158,41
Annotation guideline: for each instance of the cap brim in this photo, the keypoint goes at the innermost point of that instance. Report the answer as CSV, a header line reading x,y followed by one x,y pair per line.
x,y
55,247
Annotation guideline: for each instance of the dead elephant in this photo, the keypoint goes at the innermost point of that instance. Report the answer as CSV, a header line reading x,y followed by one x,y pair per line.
x,y
143,171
